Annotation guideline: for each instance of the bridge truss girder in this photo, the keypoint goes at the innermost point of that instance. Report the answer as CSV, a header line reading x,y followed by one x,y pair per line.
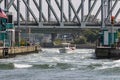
x,y
64,11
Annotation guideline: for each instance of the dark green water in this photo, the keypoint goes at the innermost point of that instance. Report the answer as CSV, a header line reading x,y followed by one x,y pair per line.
x,y
51,65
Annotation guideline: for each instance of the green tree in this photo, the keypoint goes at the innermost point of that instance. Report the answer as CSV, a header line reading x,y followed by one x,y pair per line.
x,y
57,42
91,35
81,40
118,33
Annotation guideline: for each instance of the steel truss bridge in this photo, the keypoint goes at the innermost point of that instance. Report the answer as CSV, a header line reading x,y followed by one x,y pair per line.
x,y
63,15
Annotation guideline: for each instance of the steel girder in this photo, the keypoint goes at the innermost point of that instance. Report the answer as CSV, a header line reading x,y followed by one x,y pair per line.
x,y
65,11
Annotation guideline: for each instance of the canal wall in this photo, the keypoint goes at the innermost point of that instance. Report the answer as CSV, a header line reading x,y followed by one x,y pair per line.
x,y
13,51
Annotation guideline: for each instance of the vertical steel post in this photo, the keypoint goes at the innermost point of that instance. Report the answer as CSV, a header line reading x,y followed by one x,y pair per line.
x,y
82,11
49,11
61,20
103,14
6,5
40,10
18,18
18,13
109,8
27,11
69,8
61,10
89,5
89,8
105,11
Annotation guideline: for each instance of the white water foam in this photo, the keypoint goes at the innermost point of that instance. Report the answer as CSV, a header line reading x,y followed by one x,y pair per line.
x,y
109,65
85,51
50,50
22,65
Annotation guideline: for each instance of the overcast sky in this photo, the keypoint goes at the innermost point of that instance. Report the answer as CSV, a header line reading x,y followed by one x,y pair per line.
x,y
76,3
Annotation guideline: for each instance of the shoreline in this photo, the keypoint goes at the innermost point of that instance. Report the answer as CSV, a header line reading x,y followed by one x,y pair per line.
x,y
79,46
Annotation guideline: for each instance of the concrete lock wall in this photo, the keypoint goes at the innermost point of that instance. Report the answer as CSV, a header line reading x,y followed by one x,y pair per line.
x,y
18,50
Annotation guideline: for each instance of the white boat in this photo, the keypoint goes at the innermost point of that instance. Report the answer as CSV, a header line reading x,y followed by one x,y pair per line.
x,y
67,48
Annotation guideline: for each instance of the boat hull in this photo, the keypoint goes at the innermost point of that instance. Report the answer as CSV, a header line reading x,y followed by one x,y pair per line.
x,y
66,50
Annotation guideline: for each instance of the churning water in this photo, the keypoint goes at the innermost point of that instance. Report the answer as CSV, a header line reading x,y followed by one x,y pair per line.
x,y
51,65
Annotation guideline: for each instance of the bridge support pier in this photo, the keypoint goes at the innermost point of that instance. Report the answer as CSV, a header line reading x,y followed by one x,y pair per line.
x,y
53,36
